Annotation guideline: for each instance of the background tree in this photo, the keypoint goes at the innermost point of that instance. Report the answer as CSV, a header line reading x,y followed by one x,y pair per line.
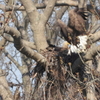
x,y
34,64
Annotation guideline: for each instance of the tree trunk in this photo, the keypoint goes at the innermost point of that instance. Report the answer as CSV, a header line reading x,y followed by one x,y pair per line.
x,y
40,36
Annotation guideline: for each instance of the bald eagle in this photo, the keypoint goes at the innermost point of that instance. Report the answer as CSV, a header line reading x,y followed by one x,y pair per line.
x,y
76,25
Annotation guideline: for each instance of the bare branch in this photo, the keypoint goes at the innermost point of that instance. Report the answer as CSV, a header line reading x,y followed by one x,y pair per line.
x,y
48,10
41,5
82,3
19,44
29,44
31,10
2,42
4,88
94,37
92,52
94,29
52,34
60,13
17,94
12,59
91,92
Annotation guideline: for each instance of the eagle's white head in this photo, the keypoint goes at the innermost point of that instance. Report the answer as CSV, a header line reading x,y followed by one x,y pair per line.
x,y
80,47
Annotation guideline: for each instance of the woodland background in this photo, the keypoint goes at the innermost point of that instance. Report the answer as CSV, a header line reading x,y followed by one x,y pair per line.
x,y
30,71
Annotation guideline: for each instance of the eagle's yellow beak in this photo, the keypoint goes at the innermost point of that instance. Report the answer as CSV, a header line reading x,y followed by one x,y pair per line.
x,y
66,45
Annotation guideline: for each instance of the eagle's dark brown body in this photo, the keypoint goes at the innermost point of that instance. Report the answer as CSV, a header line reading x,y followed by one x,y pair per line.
x,y
75,27
77,21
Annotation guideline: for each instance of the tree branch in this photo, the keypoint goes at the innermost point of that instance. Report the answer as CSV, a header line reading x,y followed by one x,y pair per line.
x,y
41,5
19,44
36,22
92,52
94,29
52,34
4,88
94,37
12,59
48,10
31,10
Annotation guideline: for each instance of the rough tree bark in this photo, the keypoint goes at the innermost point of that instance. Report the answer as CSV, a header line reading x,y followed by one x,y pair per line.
x,y
4,88
38,23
